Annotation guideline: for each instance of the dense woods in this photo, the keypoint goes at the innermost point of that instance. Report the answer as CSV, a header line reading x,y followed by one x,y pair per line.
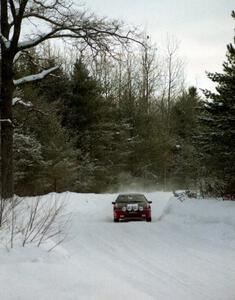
x,y
100,124
103,122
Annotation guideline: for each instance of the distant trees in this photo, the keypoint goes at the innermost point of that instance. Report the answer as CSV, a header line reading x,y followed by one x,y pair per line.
x,y
117,112
100,124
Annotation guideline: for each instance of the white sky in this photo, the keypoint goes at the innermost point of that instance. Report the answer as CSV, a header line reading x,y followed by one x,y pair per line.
x,y
203,27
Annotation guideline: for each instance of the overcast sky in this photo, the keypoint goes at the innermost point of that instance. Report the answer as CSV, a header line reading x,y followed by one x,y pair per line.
x,y
203,27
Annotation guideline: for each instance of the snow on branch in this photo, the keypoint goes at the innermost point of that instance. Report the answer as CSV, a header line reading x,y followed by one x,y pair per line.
x,y
18,100
17,56
32,42
34,77
27,105
6,120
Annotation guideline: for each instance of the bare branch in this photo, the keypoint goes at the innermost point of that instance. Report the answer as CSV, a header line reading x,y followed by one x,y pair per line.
x,y
59,21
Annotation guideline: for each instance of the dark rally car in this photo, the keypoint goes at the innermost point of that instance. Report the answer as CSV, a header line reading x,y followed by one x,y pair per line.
x,y
131,207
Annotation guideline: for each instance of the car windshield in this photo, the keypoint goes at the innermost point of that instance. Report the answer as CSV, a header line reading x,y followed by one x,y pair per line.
x,y
131,199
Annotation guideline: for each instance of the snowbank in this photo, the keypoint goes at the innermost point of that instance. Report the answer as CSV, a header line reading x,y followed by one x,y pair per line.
x,y
187,252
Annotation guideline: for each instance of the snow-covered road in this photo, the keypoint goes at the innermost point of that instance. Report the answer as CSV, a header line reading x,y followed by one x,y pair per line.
x,y
186,253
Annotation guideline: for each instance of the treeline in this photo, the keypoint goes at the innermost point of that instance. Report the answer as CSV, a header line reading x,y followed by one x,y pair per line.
x,y
102,123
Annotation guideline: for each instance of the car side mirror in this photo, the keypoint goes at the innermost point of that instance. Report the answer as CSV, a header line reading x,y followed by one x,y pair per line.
x,y
150,202
113,202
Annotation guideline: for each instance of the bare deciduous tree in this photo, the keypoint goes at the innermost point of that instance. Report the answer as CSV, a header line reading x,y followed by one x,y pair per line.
x,y
172,77
150,73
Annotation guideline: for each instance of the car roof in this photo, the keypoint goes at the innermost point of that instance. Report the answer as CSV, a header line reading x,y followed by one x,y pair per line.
x,y
131,194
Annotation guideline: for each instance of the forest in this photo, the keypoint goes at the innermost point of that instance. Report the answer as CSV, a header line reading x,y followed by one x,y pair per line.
x,y
107,120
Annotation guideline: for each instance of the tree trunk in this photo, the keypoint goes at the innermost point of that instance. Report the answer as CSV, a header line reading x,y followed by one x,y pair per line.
x,y
6,94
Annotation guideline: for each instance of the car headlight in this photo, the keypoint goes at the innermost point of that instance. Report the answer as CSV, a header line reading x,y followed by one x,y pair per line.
x,y
124,208
129,207
141,208
135,208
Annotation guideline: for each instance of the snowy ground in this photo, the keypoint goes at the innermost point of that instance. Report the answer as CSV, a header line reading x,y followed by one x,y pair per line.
x,y
186,253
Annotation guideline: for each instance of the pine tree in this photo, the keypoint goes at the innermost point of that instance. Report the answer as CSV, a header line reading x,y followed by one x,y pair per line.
x,y
44,156
28,161
218,123
184,126
92,120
